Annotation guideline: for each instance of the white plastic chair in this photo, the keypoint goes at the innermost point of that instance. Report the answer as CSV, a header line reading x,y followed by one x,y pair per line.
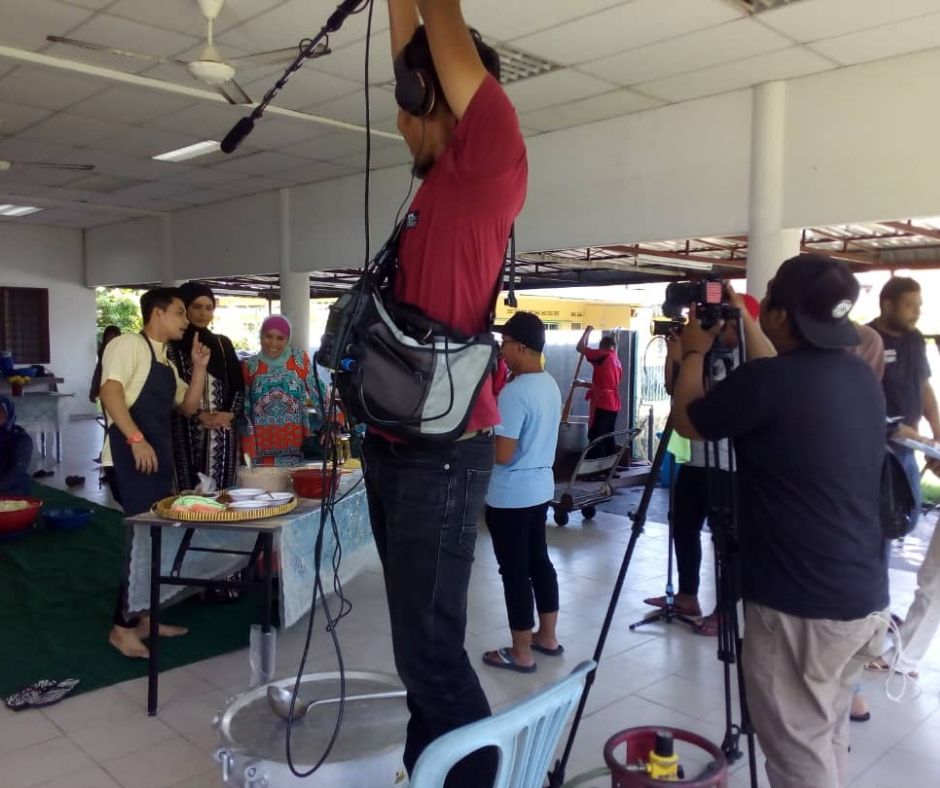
x,y
526,735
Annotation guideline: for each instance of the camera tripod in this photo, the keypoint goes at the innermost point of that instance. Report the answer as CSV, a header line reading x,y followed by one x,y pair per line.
x,y
669,612
722,509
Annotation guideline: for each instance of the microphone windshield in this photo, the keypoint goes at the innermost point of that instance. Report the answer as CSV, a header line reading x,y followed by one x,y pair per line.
x,y
237,135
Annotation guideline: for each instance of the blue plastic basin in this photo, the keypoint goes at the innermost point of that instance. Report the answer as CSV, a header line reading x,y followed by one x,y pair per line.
x,y
67,519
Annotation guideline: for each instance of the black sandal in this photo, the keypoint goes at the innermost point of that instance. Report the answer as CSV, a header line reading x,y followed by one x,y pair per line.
x,y
220,596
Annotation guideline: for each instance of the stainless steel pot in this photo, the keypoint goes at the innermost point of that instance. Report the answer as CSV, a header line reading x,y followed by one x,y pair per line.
x,y
573,435
368,751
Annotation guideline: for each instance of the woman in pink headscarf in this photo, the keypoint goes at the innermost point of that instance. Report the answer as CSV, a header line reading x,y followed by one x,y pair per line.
x,y
280,385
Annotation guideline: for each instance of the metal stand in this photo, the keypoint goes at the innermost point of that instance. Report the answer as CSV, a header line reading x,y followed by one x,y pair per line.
x,y
722,518
668,613
722,521
556,777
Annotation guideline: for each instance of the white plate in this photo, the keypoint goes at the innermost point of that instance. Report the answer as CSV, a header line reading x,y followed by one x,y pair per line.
x,y
248,505
244,493
274,498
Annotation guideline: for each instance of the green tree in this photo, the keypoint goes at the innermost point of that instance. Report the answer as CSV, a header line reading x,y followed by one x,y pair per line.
x,y
117,307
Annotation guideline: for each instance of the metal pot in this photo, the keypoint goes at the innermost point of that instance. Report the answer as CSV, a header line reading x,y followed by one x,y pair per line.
x,y
268,478
368,751
573,435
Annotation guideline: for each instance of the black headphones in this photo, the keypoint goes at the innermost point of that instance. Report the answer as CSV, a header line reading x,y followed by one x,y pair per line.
x,y
414,87
416,84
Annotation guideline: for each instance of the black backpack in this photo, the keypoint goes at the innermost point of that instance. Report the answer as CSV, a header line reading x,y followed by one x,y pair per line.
x,y
898,505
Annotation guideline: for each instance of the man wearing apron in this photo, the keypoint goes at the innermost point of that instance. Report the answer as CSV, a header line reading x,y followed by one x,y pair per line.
x,y
139,392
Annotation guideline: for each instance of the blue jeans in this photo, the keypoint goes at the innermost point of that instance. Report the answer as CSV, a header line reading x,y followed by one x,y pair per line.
x,y
424,504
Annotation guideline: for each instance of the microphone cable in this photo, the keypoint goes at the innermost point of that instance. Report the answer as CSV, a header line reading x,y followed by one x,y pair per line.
x,y
330,462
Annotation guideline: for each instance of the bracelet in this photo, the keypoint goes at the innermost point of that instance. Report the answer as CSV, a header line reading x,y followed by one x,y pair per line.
x,y
692,353
137,437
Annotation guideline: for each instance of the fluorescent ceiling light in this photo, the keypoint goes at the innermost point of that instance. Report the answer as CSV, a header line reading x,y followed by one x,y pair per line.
x,y
18,210
189,152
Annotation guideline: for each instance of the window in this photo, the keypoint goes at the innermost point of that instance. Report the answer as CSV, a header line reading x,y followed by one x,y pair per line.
x,y
575,326
24,324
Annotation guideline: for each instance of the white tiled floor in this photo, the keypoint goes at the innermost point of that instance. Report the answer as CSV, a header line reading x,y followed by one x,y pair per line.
x,y
657,675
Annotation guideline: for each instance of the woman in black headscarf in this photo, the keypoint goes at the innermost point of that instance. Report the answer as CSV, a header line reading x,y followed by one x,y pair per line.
x,y
207,443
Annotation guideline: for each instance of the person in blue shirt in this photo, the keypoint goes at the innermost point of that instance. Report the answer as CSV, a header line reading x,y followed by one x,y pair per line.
x,y
520,490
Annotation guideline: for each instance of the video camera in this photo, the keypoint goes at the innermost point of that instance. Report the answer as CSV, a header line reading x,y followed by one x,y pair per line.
x,y
708,296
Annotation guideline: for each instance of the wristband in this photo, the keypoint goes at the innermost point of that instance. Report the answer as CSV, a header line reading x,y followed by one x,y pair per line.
x,y
137,437
692,353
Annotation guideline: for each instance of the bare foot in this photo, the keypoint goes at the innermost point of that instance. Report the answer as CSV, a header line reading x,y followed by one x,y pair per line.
x,y
685,604
128,642
166,630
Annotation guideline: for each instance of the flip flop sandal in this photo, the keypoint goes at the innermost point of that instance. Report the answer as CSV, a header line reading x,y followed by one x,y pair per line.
x,y
219,596
44,692
860,717
549,652
504,660
880,666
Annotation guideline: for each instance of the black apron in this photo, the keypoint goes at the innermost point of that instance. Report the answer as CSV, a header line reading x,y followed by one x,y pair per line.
x,y
151,413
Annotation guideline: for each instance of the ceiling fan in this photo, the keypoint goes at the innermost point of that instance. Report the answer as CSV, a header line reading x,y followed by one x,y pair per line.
x,y
6,164
209,67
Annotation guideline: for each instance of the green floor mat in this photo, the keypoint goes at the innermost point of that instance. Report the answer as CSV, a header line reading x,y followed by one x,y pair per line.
x,y
57,597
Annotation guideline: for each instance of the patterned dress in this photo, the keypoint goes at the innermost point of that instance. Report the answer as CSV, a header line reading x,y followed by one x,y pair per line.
x,y
277,395
195,449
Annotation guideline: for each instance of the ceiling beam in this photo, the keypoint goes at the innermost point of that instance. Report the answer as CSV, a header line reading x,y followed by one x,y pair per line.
x,y
642,250
845,240
840,255
912,229
113,75
55,202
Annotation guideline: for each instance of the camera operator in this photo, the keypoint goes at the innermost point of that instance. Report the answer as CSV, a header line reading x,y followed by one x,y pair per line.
x,y
425,502
690,506
808,430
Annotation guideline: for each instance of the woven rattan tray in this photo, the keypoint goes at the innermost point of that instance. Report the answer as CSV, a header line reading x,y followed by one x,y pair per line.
x,y
163,509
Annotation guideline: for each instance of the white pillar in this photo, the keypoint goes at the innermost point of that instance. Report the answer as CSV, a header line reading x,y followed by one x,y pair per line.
x,y
769,244
295,287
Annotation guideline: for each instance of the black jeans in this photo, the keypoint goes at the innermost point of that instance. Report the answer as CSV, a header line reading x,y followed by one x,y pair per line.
x,y
690,508
424,504
604,421
522,554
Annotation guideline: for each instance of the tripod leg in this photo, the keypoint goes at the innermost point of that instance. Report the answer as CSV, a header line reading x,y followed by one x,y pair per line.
x,y
556,777
746,726
668,613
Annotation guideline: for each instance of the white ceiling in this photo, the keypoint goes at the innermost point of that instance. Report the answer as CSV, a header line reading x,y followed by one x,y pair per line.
x,y
616,57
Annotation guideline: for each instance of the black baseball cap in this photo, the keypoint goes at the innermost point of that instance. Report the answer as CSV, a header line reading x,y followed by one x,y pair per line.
x,y
526,328
818,293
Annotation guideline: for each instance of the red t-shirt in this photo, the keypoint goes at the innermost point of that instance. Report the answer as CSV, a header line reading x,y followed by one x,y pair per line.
x,y
605,384
455,233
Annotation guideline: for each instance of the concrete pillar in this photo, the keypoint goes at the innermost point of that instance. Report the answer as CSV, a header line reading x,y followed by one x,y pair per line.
x,y
295,287
769,244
